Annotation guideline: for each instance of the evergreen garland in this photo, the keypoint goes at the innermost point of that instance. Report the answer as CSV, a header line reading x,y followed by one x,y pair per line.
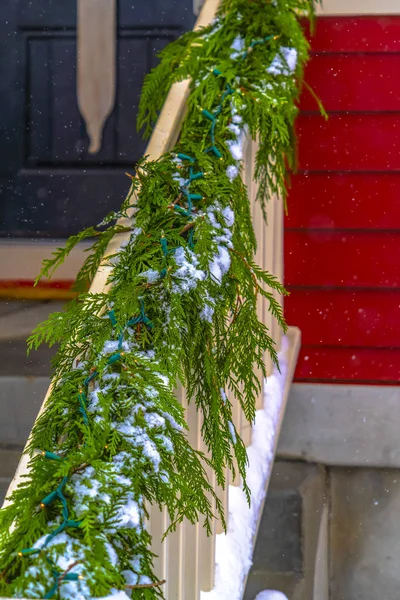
x,y
181,307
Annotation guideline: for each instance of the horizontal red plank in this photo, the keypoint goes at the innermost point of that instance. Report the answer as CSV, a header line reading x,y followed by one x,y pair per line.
x,y
357,34
356,142
28,283
342,259
353,365
45,290
344,201
353,82
346,318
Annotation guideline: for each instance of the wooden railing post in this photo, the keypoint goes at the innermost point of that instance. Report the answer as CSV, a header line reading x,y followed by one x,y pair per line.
x,y
269,256
192,531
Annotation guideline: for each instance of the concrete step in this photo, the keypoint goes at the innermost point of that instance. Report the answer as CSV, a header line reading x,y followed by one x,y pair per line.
x,y
19,317
17,320
20,401
291,548
23,379
364,533
342,425
353,432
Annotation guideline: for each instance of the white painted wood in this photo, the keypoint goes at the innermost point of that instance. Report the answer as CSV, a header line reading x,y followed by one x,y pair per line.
x,y
191,567
223,496
175,564
196,540
96,72
270,264
157,526
183,544
197,4
234,478
245,429
22,259
206,557
208,13
264,245
359,7
260,230
269,253
278,258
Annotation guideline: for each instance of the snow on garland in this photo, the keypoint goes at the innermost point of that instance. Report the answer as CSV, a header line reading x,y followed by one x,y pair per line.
x,y
181,306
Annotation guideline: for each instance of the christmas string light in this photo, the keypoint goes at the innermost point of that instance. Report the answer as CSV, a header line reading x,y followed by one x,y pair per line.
x,y
255,43
60,577
51,455
57,494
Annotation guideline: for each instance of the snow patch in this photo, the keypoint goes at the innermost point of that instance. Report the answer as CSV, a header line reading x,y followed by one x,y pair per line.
x,y
172,421
128,515
284,63
154,420
111,346
232,431
212,218
188,275
232,172
229,216
270,595
236,149
237,46
115,595
139,438
220,264
151,275
207,313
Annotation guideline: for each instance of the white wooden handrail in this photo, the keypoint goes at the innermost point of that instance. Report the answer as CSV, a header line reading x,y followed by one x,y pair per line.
x,y
186,559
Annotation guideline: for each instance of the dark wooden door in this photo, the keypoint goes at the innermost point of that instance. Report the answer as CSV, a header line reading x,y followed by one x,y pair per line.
x,y
49,185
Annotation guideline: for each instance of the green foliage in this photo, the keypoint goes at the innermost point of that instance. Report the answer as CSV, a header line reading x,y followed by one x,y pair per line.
x,y
181,307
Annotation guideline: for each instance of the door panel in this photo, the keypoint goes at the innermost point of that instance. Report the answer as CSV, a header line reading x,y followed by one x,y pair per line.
x,y
49,185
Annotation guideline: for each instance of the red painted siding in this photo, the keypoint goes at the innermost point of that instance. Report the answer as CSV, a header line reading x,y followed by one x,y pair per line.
x,y
351,365
349,142
357,34
368,318
345,201
342,258
354,83
342,239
